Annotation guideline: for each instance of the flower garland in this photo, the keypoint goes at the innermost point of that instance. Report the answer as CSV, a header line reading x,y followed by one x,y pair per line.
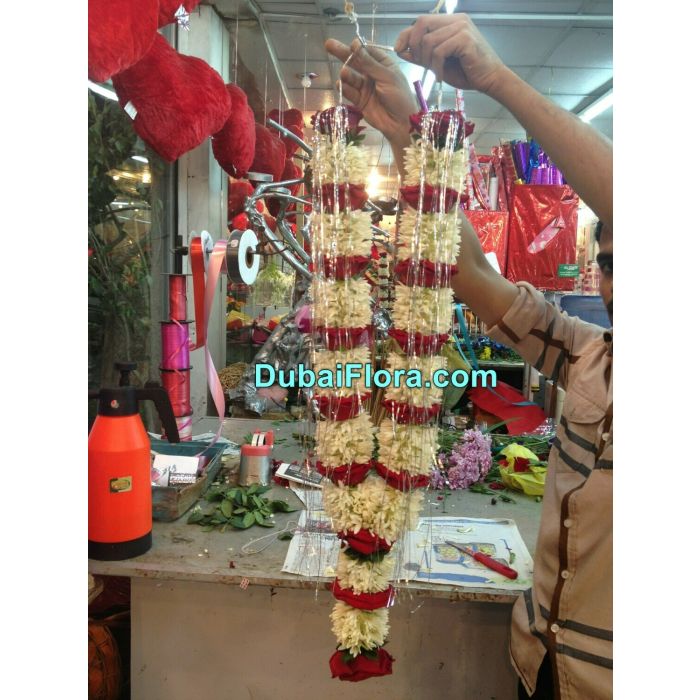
x,y
367,513
371,503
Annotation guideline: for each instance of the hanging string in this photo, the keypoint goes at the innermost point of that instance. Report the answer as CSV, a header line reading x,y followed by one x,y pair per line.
x,y
306,41
235,59
265,95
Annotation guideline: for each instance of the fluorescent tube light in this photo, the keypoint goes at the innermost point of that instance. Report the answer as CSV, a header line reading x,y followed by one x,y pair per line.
x,y
109,94
450,6
598,107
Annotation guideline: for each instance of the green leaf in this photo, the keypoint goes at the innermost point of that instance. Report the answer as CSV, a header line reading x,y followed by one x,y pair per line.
x,y
252,489
227,508
237,521
267,523
238,511
285,535
231,493
259,517
244,499
263,489
281,507
195,517
207,528
248,520
258,501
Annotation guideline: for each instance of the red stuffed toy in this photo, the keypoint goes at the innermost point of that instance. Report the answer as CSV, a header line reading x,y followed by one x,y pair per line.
x,y
168,8
238,190
269,154
292,120
234,145
291,172
120,32
178,100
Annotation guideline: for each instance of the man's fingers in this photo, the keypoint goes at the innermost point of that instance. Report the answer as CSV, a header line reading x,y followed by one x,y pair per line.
x,y
440,39
350,93
351,77
448,49
338,49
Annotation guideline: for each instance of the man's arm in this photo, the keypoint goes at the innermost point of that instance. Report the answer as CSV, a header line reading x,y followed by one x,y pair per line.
x,y
455,50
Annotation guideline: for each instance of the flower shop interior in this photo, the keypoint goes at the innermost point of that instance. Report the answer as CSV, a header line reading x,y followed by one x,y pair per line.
x,y
261,538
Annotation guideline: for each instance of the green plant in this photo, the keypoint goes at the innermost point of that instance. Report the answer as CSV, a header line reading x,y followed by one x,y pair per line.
x,y
239,508
118,262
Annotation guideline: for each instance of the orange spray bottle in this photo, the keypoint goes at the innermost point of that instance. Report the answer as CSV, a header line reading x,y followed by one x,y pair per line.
x,y
119,469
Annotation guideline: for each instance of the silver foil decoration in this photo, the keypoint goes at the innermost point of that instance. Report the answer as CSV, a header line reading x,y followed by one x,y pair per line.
x,y
183,18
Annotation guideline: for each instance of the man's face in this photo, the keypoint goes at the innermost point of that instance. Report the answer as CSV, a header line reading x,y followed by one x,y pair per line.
x,y
605,262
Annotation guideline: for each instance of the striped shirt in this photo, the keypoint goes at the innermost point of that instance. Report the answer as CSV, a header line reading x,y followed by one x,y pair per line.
x,y
568,610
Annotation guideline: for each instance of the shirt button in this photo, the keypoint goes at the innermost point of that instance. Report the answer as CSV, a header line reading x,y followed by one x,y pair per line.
x,y
568,522
565,574
555,628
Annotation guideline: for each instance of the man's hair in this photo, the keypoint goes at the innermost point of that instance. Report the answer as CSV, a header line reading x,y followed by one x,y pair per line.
x,y
598,229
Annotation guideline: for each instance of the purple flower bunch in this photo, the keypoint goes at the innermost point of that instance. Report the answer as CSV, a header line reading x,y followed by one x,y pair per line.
x,y
468,463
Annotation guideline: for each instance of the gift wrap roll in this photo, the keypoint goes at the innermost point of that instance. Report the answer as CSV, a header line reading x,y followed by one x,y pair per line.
x,y
242,261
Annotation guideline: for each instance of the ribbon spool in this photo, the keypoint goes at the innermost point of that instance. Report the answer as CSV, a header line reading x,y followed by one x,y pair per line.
x,y
177,297
175,339
177,384
184,427
242,260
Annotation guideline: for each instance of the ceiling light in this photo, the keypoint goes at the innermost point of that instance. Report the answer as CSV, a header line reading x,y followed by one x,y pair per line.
x,y
450,6
598,107
373,183
140,159
109,94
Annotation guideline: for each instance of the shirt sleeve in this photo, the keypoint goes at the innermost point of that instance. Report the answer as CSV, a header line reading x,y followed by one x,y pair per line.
x,y
547,338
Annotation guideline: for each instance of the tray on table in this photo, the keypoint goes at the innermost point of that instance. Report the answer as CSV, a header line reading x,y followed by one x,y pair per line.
x,y
171,502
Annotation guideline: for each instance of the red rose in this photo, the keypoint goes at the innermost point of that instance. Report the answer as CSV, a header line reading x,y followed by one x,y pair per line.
x,y
424,274
323,121
342,408
364,542
239,222
361,666
439,127
343,267
348,474
419,343
350,195
363,601
431,198
401,481
405,413
521,464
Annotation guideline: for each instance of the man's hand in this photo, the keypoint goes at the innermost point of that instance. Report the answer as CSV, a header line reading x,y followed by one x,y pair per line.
x,y
374,83
454,49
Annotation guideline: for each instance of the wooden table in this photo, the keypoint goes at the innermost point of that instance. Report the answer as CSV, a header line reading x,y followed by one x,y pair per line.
x,y
207,620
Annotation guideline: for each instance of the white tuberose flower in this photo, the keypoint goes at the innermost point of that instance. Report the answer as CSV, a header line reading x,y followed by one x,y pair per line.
x,y
437,238
372,505
347,234
330,359
422,396
423,310
357,629
342,304
440,165
336,161
407,447
364,576
345,442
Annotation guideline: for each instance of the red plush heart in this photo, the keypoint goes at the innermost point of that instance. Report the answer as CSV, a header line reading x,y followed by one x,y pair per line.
x,y
120,32
168,8
179,100
290,117
238,191
269,154
234,145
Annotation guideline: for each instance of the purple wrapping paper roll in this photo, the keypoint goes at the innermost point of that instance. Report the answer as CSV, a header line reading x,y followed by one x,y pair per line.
x,y
520,152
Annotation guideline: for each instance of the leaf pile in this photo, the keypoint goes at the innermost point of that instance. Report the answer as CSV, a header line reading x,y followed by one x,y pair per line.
x,y
238,508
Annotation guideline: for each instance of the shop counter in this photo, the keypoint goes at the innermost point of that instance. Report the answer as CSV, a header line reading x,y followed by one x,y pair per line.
x,y
208,620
